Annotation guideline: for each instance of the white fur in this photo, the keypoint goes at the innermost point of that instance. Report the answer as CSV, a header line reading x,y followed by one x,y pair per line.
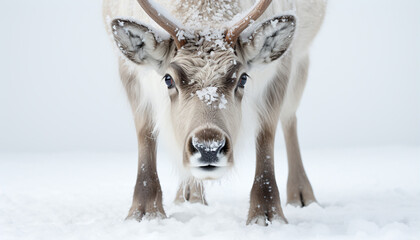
x,y
309,15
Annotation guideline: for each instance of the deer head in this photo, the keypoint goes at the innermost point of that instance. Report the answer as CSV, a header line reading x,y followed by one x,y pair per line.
x,y
205,78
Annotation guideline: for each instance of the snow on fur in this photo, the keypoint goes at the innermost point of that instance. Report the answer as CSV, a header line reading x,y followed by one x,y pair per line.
x,y
209,95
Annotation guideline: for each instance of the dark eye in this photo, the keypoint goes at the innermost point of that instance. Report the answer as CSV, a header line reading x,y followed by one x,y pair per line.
x,y
242,80
169,81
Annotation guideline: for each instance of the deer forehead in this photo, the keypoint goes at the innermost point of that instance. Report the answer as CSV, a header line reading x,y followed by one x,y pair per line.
x,y
206,65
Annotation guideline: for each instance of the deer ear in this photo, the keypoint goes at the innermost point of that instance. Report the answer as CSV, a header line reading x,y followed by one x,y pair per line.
x,y
269,41
141,44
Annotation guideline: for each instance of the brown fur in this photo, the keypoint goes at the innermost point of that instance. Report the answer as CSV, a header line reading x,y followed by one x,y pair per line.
x,y
202,63
299,189
147,198
265,199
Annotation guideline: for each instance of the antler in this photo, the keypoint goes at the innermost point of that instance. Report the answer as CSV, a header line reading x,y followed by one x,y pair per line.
x,y
164,22
233,32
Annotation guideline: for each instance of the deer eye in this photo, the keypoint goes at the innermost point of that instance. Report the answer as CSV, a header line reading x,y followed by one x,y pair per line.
x,y
242,80
169,81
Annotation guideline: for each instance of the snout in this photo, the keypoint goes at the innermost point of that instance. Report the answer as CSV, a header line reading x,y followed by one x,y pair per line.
x,y
209,153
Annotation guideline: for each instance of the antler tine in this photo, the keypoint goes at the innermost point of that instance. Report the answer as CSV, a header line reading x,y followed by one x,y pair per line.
x,y
233,32
164,22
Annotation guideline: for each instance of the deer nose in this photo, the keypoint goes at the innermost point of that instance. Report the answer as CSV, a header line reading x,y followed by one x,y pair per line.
x,y
209,150
208,145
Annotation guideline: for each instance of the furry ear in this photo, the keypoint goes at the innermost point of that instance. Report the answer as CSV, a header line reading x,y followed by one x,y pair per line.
x,y
269,41
141,44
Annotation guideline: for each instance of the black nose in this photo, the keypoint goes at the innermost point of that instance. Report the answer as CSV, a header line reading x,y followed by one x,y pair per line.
x,y
209,149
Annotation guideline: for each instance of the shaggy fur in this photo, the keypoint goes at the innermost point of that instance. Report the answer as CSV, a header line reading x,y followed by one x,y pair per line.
x,y
273,51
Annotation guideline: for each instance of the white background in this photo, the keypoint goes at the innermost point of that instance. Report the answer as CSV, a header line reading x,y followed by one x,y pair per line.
x,y
60,91
68,146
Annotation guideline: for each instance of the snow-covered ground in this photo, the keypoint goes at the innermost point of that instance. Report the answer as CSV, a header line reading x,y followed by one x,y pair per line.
x,y
363,194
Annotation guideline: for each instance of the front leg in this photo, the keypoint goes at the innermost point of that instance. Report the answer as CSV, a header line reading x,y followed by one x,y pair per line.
x,y
265,200
147,199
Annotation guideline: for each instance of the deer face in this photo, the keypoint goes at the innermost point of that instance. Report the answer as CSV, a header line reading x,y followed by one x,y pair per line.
x,y
205,83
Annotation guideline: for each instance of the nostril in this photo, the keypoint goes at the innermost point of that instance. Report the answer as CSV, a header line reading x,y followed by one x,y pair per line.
x,y
221,145
193,146
224,148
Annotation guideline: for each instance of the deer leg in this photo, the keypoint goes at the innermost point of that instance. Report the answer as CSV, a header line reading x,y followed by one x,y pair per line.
x,y
147,198
299,189
265,200
191,191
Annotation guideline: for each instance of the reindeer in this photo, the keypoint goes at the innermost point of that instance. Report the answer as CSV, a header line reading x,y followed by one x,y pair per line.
x,y
215,63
